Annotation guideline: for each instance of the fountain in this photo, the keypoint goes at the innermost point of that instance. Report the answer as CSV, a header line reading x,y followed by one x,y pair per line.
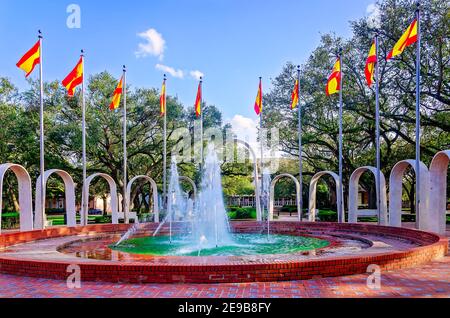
x,y
209,232
177,203
211,219
265,194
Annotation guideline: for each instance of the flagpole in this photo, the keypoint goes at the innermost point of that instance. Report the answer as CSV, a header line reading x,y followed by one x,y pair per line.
x,y
300,147
377,124
85,199
340,195
262,148
165,148
125,203
41,120
418,177
201,124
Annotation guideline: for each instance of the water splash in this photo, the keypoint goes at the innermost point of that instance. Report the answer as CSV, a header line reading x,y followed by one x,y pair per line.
x,y
265,195
210,217
131,231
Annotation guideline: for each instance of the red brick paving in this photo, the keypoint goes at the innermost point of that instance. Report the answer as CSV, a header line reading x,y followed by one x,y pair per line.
x,y
431,280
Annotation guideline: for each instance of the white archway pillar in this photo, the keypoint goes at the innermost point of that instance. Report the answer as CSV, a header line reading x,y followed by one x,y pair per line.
x,y
353,195
438,191
255,176
113,193
25,195
191,182
272,194
154,192
423,219
69,190
313,192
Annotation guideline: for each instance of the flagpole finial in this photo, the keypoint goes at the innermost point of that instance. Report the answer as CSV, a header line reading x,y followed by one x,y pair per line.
x,y
165,77
39,34
418,5
124,68
298,68
82,52
201,79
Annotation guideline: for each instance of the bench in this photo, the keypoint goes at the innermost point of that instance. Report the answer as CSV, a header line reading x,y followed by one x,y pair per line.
x,y
131,216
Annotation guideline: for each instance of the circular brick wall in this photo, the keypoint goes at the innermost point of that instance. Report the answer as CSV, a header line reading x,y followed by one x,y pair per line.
x,y
427,247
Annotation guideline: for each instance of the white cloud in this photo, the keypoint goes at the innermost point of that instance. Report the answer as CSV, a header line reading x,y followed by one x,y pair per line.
x,y
197,75
374,15
173,72
154,44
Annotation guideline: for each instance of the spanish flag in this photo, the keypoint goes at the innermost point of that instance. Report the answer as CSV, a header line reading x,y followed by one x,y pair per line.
x,y
259,101
74,79
198,101
30,59
117,95
334,81
295,94
370,65
408,38
162,99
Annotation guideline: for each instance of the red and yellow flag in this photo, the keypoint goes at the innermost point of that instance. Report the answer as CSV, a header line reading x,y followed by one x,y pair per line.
x,y
408,38
370,65
162,99
295,94
198,101
117,95
74,78
334,81
30,59
259,101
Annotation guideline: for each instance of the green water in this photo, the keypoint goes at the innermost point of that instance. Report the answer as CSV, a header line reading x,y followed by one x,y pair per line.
x,y
243,244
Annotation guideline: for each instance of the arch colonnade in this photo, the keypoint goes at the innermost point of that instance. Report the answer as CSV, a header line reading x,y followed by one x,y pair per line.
x,y
432,209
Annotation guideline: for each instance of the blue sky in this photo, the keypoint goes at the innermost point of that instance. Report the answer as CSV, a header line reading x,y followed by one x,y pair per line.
x,y
232,42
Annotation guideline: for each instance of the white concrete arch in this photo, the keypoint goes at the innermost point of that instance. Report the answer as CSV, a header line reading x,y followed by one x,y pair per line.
x,y
255,176
272,194
69,190
113,193
353,195
191,182
313,191
154,192
25,195
438,191
395,194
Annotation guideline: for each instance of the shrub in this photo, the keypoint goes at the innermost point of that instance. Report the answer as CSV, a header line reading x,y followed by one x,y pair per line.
x,y
236,213
328,216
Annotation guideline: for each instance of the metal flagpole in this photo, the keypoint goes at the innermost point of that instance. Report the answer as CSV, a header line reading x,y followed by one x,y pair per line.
x,y
41,116
418,179
262,148
85,195
124,88
165,148
201,123
377,116
300,149
341,178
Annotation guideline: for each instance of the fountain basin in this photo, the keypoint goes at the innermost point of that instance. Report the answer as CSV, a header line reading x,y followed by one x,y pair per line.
x,y
242,245
352,248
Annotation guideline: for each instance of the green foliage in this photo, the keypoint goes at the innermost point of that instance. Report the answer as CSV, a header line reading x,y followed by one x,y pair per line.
x,y
397,96
237,213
